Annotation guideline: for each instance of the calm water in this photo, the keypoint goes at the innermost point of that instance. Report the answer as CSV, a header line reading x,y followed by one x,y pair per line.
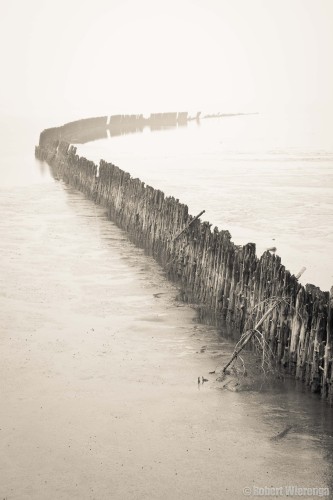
x,y
99,394
267,179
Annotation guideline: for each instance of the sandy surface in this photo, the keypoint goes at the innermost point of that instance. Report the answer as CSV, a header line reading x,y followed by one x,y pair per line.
x,y
99,368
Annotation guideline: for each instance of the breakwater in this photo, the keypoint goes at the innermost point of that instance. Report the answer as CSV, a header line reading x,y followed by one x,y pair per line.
x,y
92,129
228,280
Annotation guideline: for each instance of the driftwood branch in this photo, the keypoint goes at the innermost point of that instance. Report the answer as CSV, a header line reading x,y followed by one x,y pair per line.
x,y
188,225
247,336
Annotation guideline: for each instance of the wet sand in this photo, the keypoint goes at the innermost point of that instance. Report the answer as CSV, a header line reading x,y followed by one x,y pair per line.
x,y
99,392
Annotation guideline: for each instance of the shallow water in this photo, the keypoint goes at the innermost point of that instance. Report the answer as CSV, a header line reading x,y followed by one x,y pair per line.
x,y
267,179
99,392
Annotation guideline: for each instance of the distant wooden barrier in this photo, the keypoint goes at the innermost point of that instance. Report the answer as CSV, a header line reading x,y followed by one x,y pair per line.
x,y
228,280
92,129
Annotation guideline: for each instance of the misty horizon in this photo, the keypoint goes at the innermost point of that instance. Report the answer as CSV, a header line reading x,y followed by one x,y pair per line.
x,y
81,59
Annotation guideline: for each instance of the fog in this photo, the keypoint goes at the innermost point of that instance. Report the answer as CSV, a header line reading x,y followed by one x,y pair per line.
x,y
72,59
103,389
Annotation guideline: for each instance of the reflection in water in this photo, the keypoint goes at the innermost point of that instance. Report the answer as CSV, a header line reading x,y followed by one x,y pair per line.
x,y
93,129
94,134
18,166
43,168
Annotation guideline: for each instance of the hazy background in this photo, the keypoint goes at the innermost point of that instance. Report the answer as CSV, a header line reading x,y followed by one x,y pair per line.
x,y
71,59
63,61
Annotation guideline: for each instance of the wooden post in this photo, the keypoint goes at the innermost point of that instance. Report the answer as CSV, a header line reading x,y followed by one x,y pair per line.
x,y
188,225
327,389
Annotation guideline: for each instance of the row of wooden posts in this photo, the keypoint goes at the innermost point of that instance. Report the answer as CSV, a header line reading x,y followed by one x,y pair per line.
x,y
227,280
91,129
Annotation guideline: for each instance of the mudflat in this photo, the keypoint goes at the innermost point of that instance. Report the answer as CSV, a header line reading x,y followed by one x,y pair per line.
x,y
99,391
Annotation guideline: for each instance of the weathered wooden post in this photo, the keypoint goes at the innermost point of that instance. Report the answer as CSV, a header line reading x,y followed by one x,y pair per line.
x,y
327,386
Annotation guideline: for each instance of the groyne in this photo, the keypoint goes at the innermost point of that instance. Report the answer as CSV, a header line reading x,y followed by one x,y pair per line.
x,y
227,280
92,129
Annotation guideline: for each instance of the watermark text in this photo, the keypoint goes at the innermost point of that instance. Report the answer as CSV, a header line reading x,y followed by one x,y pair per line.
x,y
285,491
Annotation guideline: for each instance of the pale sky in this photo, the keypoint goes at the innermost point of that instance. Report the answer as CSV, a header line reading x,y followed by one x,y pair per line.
x,y
78,58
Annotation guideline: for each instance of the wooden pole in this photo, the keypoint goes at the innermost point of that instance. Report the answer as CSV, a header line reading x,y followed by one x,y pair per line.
x,y
298,275
188,225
